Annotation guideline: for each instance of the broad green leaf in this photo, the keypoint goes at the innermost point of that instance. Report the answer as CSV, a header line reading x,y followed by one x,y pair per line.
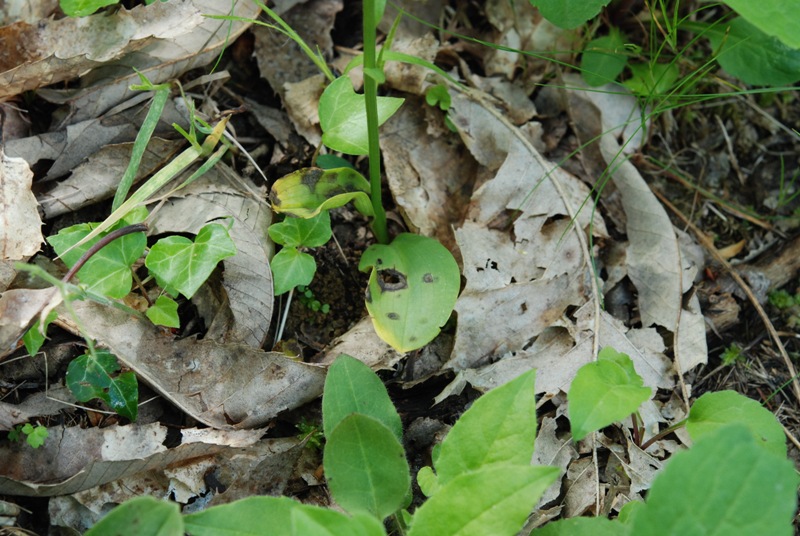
x,y
569,14
725,485
603,59
366,467
291,268
164,312
715,410
603,392
583,526
142,515
184,265
93,376
412,289
500,427
652,79
35,336
245,517
82,8
352,387
493,501
753,56
777,18
343,117
107,272
308,191
308,232
316,521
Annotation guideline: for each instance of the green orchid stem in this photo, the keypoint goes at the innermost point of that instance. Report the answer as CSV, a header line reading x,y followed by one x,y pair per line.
x,y
371,97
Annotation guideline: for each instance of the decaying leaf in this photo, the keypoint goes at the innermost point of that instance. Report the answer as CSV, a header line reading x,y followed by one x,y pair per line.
x,y
20,224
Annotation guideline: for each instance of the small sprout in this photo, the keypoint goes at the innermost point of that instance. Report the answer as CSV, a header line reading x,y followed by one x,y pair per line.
x,y
732,354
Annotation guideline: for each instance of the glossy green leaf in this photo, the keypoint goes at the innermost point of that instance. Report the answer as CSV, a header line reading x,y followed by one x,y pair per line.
x,y
343,116
352,387
183,264
569,14
366,467
308,191
142,515
35,336
583,526
245,517
753,56
648,79
164,312
82,8
725,485
493,501
777,18
715,410
291,268
604,392
604,59
308,232
412,289
500,427
107,272
95,376
316,521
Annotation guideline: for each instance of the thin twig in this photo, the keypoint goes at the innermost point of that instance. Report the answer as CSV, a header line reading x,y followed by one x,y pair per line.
x,y
100,244
709,245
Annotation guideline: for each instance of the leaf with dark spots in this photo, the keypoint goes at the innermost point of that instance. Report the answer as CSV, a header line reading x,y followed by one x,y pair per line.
x,y
308,191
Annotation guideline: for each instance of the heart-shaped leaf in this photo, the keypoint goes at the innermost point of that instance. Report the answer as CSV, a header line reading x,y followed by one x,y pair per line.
x,y
412,289
164,312
343,116
308,191
604,392
308,232
181,264
291,268
93,376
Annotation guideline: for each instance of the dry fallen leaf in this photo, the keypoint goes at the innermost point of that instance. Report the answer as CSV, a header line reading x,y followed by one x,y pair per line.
x,y
20,224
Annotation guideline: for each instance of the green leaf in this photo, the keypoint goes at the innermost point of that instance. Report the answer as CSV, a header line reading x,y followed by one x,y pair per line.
x,y
753,56
496,501
412,289
291,268
438,96
92,376
82,8
715,410
36,435
34,338
352,387
777,18
725,485
107,272
308,232
308,191
652,79
366,467
603,59
343,117
569,14
582,526
246,517
316,521
182,264
164,312
500,427
332,161
142,515
428,481
603,392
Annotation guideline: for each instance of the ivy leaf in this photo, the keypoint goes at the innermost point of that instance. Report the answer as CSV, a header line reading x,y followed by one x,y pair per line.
x,y
182,264
308,232
93,376
164,312
291,268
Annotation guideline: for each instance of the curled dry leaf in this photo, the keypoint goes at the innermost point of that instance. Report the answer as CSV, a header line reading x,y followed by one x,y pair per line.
x,y
56,50
219,194
222,385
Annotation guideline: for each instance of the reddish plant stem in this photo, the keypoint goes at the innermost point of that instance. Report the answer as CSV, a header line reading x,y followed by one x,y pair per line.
x,y
100,244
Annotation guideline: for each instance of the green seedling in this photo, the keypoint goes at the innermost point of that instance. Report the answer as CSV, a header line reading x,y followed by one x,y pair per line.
x,y
96,375
732,354
306,297
291,267
35,436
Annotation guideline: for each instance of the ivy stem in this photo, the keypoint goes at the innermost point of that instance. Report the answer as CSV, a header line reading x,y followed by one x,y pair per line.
x,y
371,98
100,244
